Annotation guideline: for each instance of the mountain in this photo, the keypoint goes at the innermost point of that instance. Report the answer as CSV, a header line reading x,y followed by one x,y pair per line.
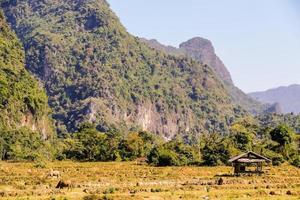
x,y
22,102
203,51
287,97
95,71
199,49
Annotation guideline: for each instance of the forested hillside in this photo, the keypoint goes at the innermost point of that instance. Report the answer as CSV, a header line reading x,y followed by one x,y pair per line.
x,y
22,101
202,50
24,111
95,71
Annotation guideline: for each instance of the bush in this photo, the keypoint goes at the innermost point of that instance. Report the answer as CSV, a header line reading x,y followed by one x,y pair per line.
x,y
24,144
92,197
296,161
277,160
282,134
174,153
214,151
163,157
110,191
40,164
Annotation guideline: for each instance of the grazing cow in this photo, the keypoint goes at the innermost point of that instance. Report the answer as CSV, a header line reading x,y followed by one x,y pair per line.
x,y
53,174
64,184
220,181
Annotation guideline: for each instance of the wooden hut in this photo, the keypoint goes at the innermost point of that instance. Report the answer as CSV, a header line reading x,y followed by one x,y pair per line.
x,y
246,160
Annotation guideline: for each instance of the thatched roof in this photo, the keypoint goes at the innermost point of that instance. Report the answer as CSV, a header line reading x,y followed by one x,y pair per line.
x,y
249,157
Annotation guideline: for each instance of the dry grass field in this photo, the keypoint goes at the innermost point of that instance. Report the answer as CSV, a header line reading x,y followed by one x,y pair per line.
x,y
127,180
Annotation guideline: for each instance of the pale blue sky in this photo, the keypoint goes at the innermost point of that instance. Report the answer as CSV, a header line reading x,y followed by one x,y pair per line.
x,y
258,40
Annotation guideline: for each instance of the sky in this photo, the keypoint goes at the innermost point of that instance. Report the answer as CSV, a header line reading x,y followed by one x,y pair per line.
x,y
258,40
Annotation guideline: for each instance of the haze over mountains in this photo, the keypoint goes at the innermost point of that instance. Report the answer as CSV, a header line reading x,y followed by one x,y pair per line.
x,y
288,97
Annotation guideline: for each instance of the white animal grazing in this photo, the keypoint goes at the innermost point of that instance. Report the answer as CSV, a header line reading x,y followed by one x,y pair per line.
x,y
53,174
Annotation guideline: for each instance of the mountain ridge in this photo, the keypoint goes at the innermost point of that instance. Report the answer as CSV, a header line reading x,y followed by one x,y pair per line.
x,y
288,97
202,50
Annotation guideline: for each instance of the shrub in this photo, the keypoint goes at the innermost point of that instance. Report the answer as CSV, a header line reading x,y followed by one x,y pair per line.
x,y
110,191
277,160
174,153
282,134
92,197
296,161
40,164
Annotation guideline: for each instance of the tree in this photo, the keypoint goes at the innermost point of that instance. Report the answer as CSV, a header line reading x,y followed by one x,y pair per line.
x,y
214,150
132,146
160,156
285,137
242,137
137,144
111,148
174,152
92,142
24,144
282,134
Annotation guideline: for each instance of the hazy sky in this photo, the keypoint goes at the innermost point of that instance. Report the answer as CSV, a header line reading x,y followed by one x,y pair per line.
x,y
258,40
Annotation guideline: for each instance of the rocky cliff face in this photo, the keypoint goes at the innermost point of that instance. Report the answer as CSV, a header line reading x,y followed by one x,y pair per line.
x,y
199,49
22,102
202,50
94,70
287,97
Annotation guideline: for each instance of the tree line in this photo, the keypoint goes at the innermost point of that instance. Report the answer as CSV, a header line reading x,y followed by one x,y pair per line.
x,y
279,143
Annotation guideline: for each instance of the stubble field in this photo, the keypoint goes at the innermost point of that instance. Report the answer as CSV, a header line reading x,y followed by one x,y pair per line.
x,y
129,180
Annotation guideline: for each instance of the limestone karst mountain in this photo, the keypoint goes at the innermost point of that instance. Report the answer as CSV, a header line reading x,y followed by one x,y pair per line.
x,y
203,51
95,71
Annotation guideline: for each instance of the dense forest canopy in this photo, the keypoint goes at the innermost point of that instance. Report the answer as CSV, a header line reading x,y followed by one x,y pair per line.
x,y
24,112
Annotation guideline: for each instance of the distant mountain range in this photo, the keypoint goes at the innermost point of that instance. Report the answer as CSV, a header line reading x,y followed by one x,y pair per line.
x,y
288,98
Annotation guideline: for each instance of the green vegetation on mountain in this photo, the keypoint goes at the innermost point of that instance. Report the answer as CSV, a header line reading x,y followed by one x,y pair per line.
x,y
24,111
95,71
203,51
